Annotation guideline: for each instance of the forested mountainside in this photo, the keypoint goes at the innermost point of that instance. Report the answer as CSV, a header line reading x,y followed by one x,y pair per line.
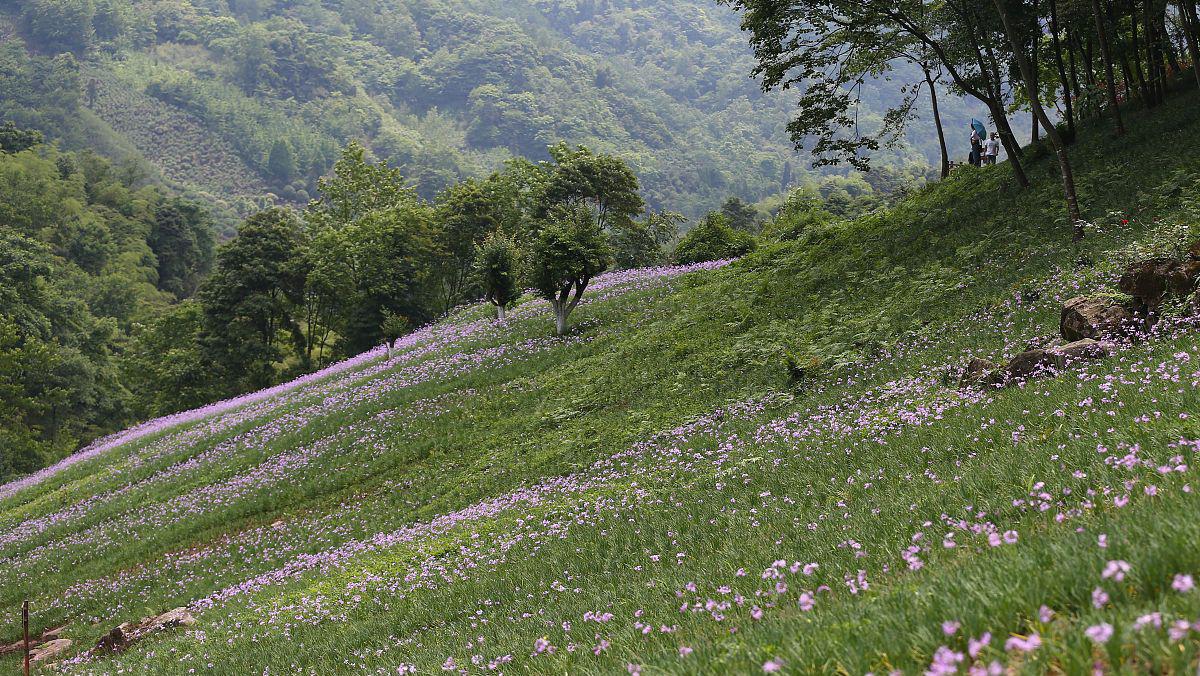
x,y
246,103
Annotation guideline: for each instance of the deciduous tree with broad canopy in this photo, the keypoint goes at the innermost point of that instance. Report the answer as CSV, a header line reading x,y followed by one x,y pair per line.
x,y
566,255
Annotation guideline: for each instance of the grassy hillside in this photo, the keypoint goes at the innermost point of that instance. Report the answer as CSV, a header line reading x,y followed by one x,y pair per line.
x,y
757,465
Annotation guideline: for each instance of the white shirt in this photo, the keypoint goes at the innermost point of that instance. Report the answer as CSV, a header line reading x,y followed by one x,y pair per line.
x,y
991,146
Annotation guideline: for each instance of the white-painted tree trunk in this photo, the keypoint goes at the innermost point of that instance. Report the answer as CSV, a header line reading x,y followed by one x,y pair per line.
x,y
560,318
500,311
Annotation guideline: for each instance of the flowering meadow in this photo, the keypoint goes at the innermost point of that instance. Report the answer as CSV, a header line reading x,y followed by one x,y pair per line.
x,y
755,466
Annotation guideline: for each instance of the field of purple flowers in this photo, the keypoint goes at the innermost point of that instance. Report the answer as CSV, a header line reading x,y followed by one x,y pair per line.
x,y
663,490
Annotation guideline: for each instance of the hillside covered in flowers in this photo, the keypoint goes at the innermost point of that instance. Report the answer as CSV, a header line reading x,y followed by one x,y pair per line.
x,y
759,465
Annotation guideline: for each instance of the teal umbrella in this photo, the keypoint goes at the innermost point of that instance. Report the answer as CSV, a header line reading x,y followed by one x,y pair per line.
x,y
978,126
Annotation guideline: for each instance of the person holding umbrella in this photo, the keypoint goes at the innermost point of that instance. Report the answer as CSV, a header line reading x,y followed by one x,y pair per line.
x,y
978,133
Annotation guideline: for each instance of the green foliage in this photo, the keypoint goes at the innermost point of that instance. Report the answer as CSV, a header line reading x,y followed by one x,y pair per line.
x,y
602,183
496,265
713,240
90,256
741,216
568,252
718,416
442,90
14,140
799,214
639,244
280,163
246,301
182,242
61,25
465,213
381,263
164,366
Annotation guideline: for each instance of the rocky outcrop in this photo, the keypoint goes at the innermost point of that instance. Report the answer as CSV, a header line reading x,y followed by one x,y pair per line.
x,y
34,641
1088,323
125,635
1095,317
49,650
1151,281
1041,361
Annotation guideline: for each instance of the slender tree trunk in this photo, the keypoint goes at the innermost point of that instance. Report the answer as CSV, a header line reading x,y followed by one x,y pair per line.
x,y
1164,40
937,120
1009,140
1089,56
1109,74
995,106
1143,86
1186,12
500,312
1056,45
1060,149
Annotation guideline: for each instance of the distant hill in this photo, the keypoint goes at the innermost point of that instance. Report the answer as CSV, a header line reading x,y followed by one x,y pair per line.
x,y
235,100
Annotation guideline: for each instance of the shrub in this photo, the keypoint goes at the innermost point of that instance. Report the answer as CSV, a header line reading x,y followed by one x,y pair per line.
x,y
713,240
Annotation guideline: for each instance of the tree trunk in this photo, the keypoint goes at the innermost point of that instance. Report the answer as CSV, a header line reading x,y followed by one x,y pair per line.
x,y
937,120
500,311
1143,86
1060,150
1056,45
1109,73
1009,140
1187,10
560,318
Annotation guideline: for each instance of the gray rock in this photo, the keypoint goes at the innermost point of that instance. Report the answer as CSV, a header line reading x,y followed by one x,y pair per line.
x,y
1095,317
49,650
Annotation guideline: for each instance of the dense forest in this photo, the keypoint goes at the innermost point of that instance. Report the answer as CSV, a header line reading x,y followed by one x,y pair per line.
x,y
247,104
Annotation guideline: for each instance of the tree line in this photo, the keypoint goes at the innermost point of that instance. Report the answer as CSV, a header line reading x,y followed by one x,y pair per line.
x,y
1057,60
117,304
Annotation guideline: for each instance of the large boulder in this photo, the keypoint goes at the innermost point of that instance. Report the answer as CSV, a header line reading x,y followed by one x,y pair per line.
x,y
49,650
1095,317
1150,281
1047,361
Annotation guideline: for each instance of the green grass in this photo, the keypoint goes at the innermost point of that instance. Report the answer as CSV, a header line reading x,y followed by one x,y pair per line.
x,y
493,488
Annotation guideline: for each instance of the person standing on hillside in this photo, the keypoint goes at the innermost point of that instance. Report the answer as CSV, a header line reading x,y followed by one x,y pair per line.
x,y
976,148
991,149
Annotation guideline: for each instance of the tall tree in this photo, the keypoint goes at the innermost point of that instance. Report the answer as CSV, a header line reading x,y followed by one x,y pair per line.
x,y
1030,80
604,184
566,255
496,261
465,213
248,300
1110,77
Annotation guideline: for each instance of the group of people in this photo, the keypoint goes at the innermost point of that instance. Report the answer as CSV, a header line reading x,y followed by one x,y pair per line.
x,y
984,151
